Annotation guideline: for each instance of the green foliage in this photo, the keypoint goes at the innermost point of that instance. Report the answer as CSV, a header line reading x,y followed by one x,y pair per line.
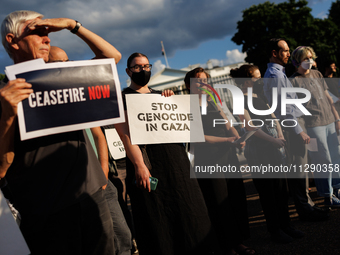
x,y
334,13
334,17
291,20
2,76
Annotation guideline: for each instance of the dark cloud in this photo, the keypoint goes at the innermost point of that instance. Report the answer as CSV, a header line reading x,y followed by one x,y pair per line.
x,y
138,25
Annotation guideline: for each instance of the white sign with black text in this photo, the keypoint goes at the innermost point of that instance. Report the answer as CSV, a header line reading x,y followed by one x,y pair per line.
x,y
157,119
116,146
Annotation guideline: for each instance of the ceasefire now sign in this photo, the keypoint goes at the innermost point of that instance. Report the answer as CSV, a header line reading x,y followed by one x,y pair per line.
x,y
68,96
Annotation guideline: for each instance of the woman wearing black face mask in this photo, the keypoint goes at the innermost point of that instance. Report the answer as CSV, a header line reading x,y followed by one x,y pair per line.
x,y
140,74
172,219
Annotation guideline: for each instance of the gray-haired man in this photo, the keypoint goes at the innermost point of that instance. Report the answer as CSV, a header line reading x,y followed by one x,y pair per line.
x,y
56,180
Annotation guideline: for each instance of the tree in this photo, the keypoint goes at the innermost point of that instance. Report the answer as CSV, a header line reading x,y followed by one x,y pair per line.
x,y
290,20
334,12
334,17
2,76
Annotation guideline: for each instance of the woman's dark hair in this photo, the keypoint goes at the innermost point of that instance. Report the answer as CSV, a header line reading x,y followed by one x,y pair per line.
x,y
329,62
244,71
133,56
192,74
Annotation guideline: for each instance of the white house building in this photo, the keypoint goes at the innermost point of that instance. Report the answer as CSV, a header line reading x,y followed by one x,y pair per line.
x,y
173,79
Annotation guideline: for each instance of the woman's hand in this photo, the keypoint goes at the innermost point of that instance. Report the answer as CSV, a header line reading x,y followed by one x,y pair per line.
x,y
142,175
241,145
168,93
233,139
279,142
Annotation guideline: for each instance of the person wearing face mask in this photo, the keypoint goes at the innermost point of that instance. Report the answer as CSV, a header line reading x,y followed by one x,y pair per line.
x,y
173,218
323,124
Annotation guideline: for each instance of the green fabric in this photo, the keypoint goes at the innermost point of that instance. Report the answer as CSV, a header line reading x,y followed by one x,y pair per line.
x,y
89,134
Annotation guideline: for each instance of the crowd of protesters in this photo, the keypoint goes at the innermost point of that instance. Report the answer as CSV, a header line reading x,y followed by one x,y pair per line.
x,y
62,190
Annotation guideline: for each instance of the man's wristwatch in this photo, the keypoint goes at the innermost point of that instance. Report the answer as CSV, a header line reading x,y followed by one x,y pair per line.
x,y
75,29
337,120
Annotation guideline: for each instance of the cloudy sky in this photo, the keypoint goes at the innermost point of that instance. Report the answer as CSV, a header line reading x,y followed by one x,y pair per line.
x,y
193,31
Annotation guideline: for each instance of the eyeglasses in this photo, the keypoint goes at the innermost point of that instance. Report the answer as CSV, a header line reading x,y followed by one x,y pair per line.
x,y
138,68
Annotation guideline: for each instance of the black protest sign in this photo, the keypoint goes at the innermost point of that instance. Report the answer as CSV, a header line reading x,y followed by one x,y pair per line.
x,y
69,98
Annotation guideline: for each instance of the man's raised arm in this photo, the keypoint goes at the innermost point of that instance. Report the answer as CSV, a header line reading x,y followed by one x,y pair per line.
x,y
100,47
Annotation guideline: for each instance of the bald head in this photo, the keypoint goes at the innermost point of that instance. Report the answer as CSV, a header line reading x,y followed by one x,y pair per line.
x,y
57,55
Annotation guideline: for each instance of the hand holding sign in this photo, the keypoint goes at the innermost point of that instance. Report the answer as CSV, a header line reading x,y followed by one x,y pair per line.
x,y
246,136
237,142
168,93
155,119
12,94
67,96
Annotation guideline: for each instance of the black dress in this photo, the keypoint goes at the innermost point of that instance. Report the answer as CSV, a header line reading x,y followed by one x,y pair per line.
x,y
225,195
173,219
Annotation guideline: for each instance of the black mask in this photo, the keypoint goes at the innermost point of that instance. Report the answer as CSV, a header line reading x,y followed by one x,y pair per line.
x,y
142,78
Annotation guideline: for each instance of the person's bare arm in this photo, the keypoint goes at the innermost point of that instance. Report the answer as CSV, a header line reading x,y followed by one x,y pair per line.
x,y
134,153
100,47
217,139
101,145
10,95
